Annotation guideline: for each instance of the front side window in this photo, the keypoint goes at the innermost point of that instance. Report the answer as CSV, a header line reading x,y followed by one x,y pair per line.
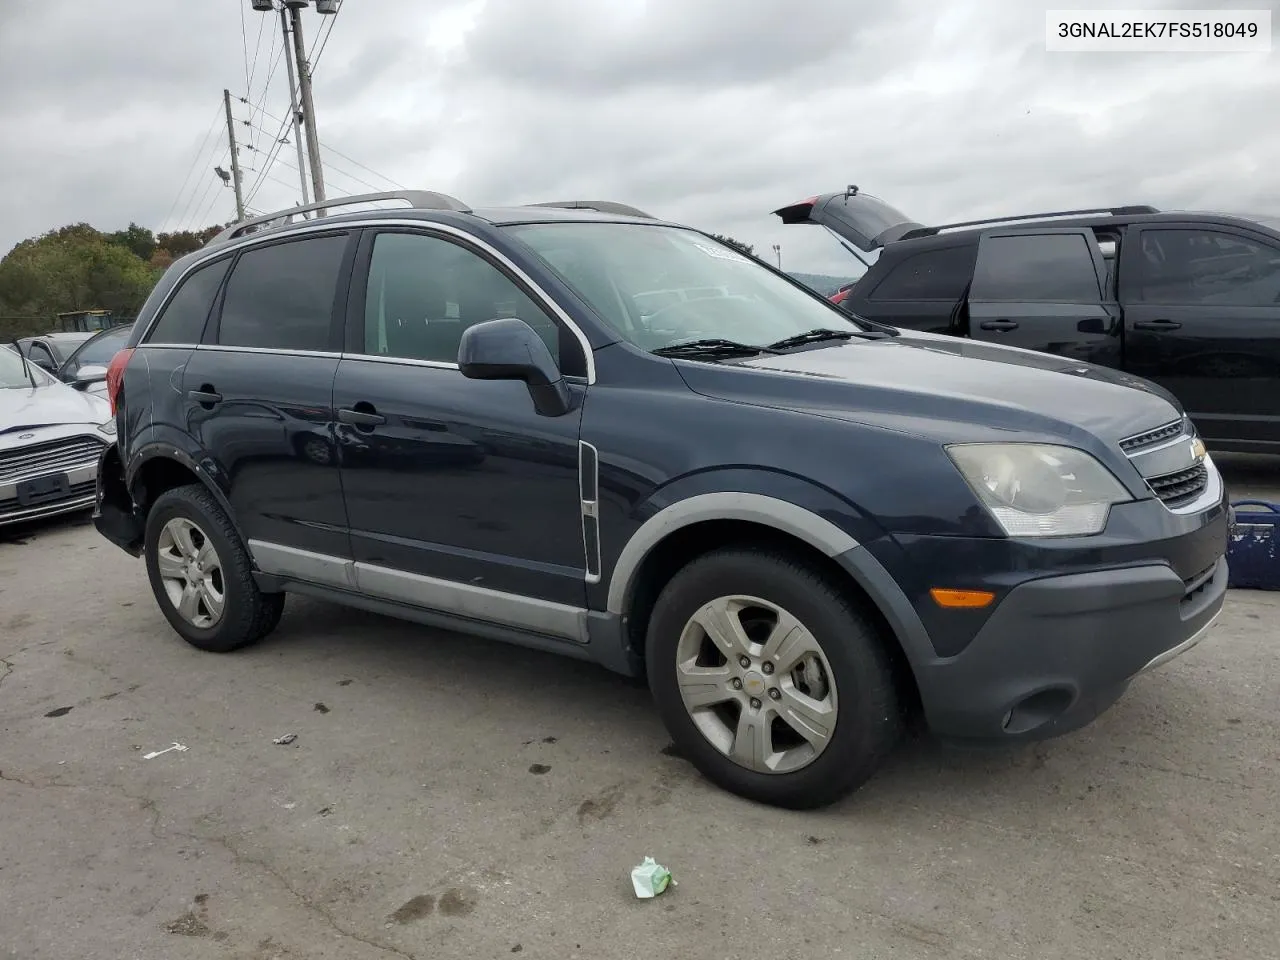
x,y
183,318
281,297
1029,268
424,291
1208,267
657,286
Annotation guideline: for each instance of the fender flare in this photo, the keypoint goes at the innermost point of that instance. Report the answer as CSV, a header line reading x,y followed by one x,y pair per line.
x,y
727,505
160,449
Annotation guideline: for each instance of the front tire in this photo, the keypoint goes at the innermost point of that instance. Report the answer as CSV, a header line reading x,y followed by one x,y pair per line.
x,y
773,683
201,574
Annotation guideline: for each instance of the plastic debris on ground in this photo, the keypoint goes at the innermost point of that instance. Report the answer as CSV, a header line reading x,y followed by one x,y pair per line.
x,y
650,879
287,738
155,753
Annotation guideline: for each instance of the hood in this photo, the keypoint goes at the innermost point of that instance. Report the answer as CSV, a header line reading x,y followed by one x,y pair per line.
x,y
945,388
49,405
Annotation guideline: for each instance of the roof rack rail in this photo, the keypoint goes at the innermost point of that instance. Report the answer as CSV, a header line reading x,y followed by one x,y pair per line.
x,y
418,199
603,206
1099,211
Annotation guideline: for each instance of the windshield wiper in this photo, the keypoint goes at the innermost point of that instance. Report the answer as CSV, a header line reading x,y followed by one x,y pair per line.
x,y
822,334
711,347
26,367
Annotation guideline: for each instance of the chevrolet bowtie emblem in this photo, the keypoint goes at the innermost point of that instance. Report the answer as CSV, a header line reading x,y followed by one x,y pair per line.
x,y
1197,448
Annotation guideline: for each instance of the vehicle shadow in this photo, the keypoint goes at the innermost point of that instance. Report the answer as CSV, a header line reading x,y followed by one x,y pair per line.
x,y
20,534
1164,716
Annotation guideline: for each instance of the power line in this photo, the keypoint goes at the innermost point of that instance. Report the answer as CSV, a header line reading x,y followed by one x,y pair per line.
x,y
257,49
207,188
244,45
350,160
203,219
199,153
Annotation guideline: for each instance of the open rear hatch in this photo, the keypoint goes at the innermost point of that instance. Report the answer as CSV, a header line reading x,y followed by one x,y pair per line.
x,y
865,221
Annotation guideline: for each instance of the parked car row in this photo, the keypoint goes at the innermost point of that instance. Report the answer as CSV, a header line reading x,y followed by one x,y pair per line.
x,y
1189,301
575,427
77,359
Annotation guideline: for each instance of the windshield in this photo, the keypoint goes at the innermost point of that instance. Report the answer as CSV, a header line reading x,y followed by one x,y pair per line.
x,y
13,375
658,286
100,350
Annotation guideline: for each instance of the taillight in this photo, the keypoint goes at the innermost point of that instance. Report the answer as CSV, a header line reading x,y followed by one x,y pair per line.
x,y
839,295
115,376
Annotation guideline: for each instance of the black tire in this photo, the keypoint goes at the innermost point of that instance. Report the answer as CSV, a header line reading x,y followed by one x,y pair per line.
x,y
248,613
868,721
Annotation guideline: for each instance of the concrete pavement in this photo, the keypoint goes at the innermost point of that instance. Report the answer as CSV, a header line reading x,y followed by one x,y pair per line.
x,y
452,797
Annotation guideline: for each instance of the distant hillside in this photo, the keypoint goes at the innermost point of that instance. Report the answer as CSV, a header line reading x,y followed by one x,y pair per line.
x,y
822,283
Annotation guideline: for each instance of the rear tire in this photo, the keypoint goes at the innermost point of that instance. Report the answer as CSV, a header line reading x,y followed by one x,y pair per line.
x,y
201,574
798,707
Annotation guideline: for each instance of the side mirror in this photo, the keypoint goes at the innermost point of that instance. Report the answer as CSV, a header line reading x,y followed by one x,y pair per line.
x,y
87,375
46,365
509,349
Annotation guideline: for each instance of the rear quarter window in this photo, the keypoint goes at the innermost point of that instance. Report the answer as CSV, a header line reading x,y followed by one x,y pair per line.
x,y
928,275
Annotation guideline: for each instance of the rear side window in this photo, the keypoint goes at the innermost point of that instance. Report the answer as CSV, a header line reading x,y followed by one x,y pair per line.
x,y
182,320
281,297
1052,267
929,275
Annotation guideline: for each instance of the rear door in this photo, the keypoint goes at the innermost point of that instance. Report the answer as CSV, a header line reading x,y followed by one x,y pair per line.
x,y
1042,289
1202,318
258,398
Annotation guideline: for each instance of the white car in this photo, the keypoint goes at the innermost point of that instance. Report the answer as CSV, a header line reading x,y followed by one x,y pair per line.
x,y
51,436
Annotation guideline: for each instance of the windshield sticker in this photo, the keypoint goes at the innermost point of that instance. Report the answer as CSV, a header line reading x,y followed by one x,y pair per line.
x,y
721,253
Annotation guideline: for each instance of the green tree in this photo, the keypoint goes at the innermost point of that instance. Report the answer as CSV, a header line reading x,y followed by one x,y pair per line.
x,y
138,239
73,268
746,248
182,242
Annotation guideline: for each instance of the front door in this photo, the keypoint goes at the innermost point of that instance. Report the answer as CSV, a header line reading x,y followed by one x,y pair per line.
x,y
460,494
1202,318
258,398
1042,289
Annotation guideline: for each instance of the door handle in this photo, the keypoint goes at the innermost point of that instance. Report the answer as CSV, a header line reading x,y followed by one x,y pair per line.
x,y
361,415
206,396
1157,325
1000,325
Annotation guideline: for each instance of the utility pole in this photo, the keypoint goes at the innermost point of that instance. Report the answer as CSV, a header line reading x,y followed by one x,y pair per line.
x,y
294,113
777,252
308,105
235,158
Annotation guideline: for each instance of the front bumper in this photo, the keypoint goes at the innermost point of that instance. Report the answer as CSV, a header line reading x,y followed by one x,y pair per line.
x,y
1058,651
67,456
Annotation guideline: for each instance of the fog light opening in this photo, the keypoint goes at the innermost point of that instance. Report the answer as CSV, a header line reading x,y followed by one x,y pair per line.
x,y
1038,709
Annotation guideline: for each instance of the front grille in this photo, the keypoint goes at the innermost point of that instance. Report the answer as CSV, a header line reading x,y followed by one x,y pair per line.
x,y
54,456
1141,441
1181,487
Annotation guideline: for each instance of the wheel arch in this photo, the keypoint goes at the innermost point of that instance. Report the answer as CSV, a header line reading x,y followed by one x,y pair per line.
x,y
159,466
690,528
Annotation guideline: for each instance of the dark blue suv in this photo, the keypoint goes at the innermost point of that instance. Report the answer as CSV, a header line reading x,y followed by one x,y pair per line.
x,y
575,427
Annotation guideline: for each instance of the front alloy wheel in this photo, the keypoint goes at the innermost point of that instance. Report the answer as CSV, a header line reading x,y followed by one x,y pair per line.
x,y
756,684
771,677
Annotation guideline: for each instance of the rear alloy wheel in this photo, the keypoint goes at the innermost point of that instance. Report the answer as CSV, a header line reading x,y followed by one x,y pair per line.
x,y
202,575
770,680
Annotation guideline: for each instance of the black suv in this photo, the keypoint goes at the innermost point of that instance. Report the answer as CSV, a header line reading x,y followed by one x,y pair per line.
x,y
594,433
1190,301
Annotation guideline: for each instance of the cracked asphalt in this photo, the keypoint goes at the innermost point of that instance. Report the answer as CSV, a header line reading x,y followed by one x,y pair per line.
x,y
452,797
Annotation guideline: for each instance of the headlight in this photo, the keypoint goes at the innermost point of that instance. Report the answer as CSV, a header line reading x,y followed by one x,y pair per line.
x,y
1040,490
108,427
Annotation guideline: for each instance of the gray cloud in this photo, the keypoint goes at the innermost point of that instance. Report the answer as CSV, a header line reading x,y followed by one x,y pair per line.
x,y
713,112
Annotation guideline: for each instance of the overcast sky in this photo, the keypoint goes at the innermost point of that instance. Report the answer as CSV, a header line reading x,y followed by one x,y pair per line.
x,y
713,112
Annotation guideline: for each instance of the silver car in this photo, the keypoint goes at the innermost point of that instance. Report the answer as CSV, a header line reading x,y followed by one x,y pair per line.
x,y
51,436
